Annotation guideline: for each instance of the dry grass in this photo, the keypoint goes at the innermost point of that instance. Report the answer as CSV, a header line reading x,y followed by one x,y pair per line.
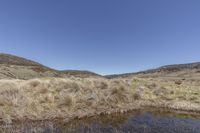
x,y
50,98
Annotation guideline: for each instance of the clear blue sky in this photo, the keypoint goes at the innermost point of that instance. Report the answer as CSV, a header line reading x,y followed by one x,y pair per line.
x,y
104,36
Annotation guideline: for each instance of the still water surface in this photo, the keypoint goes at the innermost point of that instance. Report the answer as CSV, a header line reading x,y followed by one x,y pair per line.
x,y
146,121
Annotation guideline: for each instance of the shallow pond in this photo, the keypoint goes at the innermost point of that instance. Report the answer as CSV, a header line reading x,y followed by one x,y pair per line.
x,y
140,121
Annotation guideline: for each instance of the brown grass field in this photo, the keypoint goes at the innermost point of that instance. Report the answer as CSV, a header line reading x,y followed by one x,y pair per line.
x,y
69,98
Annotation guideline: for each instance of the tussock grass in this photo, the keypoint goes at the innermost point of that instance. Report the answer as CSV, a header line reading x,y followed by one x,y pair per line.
x,y
40,98
52,98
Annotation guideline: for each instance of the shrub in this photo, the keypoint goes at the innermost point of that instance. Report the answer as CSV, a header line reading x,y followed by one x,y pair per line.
x,y
65,100
198,71
101,85
66,85
42,88
193,98
118,94
137,96
10,95
117,90
152,86
34,83
172,92
178,82
162,91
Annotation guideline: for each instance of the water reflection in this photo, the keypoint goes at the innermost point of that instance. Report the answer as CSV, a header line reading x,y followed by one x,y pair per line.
x,y
146,121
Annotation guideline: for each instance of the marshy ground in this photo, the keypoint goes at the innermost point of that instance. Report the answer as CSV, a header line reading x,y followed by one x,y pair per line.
x,y
138,121
67,99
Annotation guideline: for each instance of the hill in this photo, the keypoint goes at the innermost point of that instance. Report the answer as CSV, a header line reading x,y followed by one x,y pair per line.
x,y
8,59
174,87
14,67
177,70
80,73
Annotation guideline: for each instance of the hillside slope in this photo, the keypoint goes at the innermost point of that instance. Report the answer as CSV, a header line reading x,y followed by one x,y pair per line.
x,y
80,73
190,70
8,59
14,67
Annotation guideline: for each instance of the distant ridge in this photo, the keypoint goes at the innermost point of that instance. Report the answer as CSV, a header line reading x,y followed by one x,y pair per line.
x,y
162,69
80,73
14,67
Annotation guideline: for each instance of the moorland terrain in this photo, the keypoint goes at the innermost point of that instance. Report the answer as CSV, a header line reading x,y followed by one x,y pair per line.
x,y
32,91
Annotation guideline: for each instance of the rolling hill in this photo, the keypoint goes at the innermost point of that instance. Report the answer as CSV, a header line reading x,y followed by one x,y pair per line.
x,y
190,70
14,67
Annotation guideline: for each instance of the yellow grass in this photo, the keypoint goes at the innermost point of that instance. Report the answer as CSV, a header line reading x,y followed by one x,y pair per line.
x,y
53,98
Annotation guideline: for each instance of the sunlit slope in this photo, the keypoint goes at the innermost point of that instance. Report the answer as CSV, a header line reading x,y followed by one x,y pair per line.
x,y
14,67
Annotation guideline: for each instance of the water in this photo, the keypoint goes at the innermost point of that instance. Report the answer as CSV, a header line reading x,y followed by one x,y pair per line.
x,y
145,121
